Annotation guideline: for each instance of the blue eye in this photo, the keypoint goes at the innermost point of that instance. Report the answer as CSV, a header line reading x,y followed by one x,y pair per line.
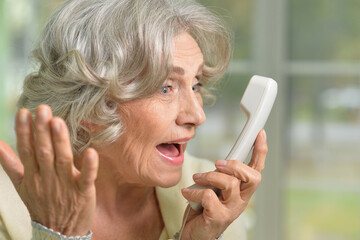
x,y
166,89
196,87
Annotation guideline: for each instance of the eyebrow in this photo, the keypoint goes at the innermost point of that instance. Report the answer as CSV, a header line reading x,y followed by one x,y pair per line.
x,y
178,70
181,71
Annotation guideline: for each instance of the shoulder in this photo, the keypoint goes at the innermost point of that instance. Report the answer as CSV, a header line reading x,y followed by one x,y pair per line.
x,y
15,219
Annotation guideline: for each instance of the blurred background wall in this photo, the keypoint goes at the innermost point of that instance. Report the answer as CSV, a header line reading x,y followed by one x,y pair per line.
x,y
311,184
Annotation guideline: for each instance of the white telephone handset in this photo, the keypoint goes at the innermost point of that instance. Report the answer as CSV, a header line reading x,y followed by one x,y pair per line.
x,y
256,103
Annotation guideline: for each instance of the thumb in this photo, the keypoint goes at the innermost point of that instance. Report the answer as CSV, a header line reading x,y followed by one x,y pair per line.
x,y
11,164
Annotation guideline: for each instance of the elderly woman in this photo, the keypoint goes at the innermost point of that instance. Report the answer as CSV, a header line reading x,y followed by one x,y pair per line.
x,y
116,98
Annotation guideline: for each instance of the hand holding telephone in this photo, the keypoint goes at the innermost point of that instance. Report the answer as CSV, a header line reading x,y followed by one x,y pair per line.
x,y
256,103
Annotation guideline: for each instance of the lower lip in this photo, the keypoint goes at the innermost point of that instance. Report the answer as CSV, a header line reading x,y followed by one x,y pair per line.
x,y
177,160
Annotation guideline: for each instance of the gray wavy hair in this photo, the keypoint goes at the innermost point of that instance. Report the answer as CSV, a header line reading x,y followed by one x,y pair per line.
x,y
95,54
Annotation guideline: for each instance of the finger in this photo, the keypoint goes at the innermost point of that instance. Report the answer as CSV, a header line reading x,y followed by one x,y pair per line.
x,y
89,169
259,153
44,148
229,185
250,177
62,147
234,168
207,198
25,140
11,164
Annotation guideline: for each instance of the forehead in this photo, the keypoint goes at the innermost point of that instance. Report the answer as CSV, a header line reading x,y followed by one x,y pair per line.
x,y
186,53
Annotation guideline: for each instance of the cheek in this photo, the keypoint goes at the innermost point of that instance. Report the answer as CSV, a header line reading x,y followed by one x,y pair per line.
x,y
162,119
138,143
144,129
135,146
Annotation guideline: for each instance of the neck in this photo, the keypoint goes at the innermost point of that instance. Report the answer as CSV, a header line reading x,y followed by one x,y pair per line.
x,y
124,208
123,198
115,193
131,212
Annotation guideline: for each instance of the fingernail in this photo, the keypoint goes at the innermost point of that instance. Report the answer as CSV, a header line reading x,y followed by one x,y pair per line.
x,y
22,117
197,175
221,162
264,135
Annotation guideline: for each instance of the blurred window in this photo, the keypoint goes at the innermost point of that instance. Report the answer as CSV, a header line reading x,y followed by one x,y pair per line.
x,y
319,74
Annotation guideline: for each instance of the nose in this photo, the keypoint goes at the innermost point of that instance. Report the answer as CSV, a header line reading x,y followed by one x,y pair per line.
x,y
191,112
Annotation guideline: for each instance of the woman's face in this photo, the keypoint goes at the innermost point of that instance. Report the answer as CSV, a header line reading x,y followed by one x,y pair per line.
x,y
157,128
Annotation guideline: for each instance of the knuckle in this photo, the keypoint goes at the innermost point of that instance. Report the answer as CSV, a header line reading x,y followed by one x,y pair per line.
x,y
26,152
234,183
63,159
238,167
211,176
257,178
21,130
44,153
208,195
88,182
264,148
40,128
233,163
61,162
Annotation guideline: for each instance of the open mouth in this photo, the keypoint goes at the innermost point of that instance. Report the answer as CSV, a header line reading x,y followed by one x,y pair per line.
x,y
169,149
171,152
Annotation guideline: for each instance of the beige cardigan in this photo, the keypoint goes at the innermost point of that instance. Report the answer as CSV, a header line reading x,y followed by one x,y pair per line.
x,y
15,220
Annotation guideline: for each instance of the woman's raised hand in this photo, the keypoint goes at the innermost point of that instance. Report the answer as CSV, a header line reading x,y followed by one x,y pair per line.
x,y
55,192
237,182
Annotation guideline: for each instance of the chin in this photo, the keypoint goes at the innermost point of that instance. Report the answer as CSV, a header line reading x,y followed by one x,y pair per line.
x,y
169,181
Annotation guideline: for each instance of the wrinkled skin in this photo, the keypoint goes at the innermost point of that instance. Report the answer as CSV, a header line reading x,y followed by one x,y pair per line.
x,y
55,193
237,182
62,196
